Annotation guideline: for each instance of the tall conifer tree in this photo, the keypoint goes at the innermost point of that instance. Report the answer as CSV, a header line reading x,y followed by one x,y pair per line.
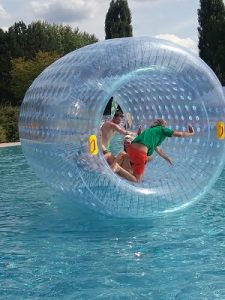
x,y
118,20
211,17
117,24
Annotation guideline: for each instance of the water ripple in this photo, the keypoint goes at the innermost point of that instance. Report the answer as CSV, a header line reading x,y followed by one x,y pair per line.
x,y
51,248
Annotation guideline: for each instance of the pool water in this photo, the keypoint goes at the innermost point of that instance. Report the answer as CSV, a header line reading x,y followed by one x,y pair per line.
x,y
50,248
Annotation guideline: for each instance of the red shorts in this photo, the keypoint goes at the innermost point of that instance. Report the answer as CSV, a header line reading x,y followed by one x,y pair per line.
x,y
138,158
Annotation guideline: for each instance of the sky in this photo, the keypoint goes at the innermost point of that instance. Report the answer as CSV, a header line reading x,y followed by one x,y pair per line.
x,y
175,20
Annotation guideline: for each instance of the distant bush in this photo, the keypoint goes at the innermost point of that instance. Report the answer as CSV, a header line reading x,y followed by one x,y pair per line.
x,y
3,138
9,116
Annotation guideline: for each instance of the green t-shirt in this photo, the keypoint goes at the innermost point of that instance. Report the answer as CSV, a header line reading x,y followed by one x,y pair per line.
x,y
153,137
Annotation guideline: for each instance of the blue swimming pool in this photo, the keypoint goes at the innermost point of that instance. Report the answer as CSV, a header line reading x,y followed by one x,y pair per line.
x,y
50,248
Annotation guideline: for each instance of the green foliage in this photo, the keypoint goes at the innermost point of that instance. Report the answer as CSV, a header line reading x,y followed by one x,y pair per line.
x,y
118,20
42,36
9,116
24,42
211,17
17,38
3,138
25,71
5,66
24,52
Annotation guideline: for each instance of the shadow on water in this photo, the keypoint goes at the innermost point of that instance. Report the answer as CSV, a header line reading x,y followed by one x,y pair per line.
x,y
67,215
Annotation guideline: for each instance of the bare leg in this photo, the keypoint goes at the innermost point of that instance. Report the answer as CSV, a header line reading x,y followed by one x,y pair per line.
x,y
120,158
123,173
114,163
109,158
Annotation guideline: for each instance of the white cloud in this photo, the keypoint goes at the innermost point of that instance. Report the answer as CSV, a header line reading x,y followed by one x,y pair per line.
x,y
149,17
63,10
187,42
4,28
3,13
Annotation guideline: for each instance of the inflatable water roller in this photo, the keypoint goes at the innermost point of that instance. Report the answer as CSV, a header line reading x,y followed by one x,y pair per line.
x,y
149,78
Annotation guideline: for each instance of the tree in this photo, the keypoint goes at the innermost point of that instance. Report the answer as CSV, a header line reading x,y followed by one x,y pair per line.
x,y
5,66
25,51
211,18
42,36
23,43
118,20
24,71
17,39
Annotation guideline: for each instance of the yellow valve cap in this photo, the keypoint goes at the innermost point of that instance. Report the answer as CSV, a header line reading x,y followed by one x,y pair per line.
x,y
93,144
220,129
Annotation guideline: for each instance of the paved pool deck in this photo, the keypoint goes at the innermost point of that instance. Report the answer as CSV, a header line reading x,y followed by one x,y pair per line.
x,y
3,145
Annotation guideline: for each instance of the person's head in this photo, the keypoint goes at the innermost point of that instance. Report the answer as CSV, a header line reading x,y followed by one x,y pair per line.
x,y
117,118
128,139
159,122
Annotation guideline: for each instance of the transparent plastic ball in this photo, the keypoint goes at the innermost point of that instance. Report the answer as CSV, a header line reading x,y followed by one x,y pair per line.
x,y
149,78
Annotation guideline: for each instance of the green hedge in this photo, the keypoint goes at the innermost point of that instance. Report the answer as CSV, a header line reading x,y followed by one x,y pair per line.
x,y
9,116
